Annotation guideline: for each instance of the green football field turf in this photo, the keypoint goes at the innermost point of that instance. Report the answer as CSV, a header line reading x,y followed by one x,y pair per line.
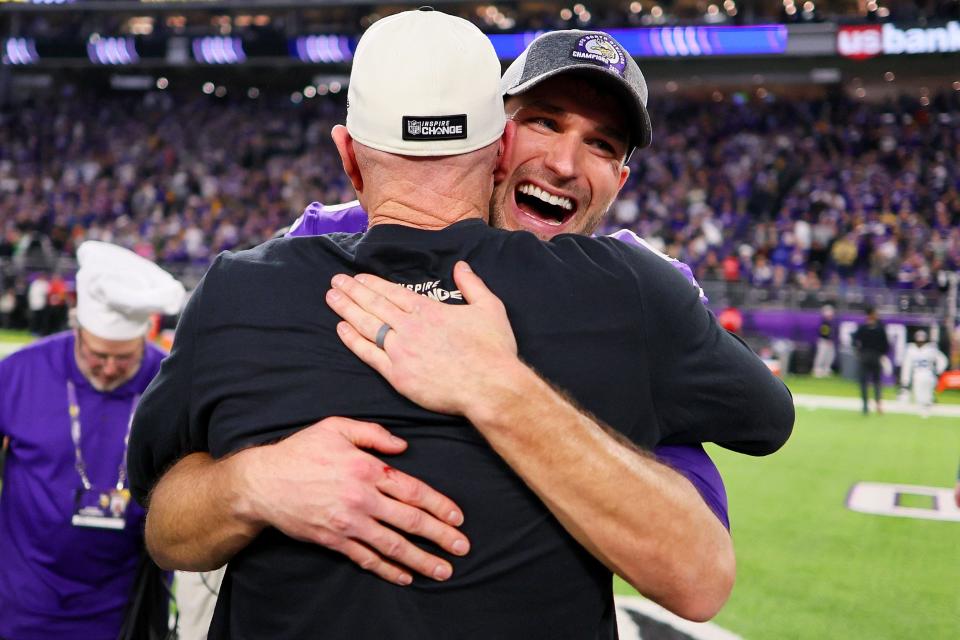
x,y
19,337
810,568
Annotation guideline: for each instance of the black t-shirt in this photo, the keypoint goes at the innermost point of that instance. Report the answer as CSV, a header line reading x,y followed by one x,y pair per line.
x,y
257,357
871,342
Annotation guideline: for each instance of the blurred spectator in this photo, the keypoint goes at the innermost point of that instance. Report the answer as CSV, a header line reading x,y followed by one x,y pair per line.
x,y
870,341
56,305
8,303
37,299
922,366
826,347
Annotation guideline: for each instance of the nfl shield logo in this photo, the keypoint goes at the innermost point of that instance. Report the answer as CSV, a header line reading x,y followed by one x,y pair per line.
x,y
413,127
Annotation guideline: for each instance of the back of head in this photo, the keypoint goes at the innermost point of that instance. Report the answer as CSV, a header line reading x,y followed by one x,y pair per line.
x,y
425,83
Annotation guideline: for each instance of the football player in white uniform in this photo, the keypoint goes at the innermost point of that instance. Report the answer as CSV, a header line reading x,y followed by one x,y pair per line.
x,y
922,365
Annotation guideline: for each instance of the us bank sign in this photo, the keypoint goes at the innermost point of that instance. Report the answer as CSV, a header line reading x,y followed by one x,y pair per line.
x,y
867,41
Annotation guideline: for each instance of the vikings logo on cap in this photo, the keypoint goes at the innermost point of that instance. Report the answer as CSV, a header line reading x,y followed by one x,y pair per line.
x,y
601,49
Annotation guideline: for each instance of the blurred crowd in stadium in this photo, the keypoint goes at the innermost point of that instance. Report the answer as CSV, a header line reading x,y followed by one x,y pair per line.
x,y
768,192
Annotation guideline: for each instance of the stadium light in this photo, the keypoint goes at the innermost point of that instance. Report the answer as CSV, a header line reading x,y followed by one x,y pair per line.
x,y
20,51
112,51
218,50
322,49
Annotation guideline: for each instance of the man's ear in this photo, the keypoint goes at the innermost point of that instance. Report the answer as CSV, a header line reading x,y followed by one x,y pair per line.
x,y
344,141
505,152
624,174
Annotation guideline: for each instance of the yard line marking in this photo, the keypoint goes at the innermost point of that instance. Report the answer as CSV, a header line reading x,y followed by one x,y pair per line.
x,y
636,615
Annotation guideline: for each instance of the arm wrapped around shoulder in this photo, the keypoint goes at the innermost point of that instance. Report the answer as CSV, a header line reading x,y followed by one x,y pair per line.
x,y
707,385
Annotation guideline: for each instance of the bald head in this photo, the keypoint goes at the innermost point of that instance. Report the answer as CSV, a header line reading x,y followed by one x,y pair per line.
x,y
423,191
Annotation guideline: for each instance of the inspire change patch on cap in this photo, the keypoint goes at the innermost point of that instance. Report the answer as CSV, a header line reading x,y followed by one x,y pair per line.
x,y
601,49
426,128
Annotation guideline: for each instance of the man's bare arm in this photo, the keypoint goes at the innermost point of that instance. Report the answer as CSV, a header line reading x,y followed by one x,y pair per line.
x,y
318,485
640,518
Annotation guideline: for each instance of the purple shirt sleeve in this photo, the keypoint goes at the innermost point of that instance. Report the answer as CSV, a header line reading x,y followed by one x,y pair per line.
x,y
693,463
318,219
625,235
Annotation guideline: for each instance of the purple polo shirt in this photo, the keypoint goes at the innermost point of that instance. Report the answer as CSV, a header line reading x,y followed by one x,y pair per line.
x,y
57,580
691,461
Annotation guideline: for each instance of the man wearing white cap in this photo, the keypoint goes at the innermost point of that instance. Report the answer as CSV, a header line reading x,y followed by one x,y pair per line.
x,y
71,536
258,357
567,87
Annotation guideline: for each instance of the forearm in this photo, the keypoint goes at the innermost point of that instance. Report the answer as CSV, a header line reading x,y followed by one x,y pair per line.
x,y
640,518
194,522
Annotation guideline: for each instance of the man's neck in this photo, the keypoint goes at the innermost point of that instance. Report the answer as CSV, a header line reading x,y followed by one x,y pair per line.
x,y
414,205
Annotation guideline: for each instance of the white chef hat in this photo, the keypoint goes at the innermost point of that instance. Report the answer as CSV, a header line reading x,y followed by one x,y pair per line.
x,y
118,291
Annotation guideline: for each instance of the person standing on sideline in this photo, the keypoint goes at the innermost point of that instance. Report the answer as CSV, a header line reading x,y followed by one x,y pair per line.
x,y
37,300
922,365
826,350
71,538
956,490
870,341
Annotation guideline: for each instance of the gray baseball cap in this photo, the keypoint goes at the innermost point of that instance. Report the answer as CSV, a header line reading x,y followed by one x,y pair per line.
x,y
592,52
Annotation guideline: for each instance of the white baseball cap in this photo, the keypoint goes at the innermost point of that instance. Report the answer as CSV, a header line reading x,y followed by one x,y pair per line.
x,y
425,83
118,291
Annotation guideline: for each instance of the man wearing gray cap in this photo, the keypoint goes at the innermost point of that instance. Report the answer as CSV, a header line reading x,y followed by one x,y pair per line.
x,y
71,536
258,358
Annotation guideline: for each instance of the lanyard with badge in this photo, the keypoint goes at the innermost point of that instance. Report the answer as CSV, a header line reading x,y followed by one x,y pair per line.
x,y
98,508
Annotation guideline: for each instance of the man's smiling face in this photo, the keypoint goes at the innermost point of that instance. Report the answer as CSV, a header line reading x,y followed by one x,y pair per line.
x,y
567,164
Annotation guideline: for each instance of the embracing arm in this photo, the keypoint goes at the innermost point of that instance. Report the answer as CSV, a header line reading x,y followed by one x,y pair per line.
x,y
319,486
193,523
640,518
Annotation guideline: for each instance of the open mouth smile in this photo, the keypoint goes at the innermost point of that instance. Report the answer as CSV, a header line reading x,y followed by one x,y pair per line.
x,y
550,208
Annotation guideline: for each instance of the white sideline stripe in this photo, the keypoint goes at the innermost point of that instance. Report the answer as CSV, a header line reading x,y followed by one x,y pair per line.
x,y
697,630
889,406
